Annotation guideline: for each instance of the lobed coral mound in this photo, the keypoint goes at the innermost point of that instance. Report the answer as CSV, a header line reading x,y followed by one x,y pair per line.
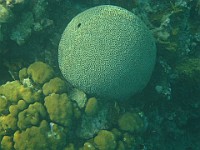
x,y
29,119
37,113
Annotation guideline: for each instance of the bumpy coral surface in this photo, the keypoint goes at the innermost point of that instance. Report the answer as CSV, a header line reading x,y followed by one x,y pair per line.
x,y
59,108
91,106
105,140
5,14
107,51
55,85
28,119
40,72
31,29
37,113
131,122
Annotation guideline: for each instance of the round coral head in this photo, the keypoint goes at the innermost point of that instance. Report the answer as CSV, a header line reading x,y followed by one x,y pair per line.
x,y
107,51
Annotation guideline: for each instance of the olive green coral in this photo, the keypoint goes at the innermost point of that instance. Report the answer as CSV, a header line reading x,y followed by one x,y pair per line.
x,y
131,122
40,143
7,143
59,108
3,103
36,113
88,146
26,115
189,68
23,74
15,109
55,85
105,140
91,107
31,116
107,51
40,72
14,91
8,124
5,14
11,90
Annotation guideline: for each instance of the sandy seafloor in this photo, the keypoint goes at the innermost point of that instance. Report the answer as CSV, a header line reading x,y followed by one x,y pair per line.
x,y
30,31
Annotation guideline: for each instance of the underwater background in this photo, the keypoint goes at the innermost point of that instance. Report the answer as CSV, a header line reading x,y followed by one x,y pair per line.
x,y
40,110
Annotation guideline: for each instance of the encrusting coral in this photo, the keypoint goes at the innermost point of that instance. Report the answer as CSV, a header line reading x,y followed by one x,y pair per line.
x,y
59,108
55,85
105,140
27,115
40,72
38,110
91,107
131,122
5,14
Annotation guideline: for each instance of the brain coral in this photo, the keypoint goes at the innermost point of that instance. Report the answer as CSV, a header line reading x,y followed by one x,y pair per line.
x,y
107,51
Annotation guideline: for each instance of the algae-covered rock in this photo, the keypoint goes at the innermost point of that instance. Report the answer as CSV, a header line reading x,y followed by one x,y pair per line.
x,y
105,140
23,29
40,72
55,85
59,108
91,125
186,84
79,97
107,51
189,68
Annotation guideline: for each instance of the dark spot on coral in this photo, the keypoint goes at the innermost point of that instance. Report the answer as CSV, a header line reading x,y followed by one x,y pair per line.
x,y
79,25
